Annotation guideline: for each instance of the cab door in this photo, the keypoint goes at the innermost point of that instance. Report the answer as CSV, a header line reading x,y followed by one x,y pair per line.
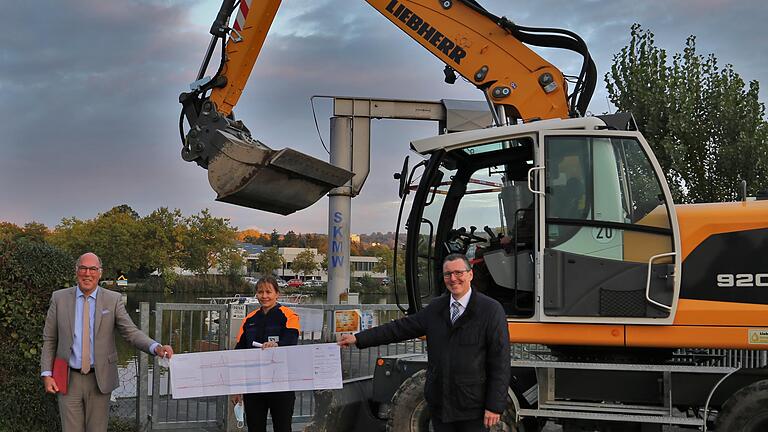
x,y
608,249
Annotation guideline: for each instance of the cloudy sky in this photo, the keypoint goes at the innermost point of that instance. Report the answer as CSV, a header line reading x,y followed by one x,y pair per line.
x,y
89,91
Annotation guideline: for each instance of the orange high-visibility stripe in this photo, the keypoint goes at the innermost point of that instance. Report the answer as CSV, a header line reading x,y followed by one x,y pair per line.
x,y
291,318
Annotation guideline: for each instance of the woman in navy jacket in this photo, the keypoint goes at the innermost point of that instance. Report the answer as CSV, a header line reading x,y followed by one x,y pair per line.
x,y
271,325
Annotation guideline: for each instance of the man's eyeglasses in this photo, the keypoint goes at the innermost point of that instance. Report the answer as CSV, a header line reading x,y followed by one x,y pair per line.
x,y
457,273
85,269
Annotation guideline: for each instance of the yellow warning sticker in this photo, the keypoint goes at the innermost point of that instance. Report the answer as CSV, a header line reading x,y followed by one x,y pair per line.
x,y
758,336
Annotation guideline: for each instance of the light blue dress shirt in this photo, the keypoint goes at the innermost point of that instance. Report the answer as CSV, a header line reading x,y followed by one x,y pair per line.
x,y
75,360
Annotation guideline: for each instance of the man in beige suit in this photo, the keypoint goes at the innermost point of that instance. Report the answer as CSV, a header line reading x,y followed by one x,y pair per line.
x,y
80,324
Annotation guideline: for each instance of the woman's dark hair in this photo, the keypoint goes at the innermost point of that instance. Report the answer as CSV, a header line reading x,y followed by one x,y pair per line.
x,y
268,280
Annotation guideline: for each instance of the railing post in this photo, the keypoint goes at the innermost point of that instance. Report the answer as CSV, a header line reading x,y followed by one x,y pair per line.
x,y
142,384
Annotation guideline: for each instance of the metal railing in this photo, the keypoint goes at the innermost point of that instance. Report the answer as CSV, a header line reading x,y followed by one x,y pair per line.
x,y
206,327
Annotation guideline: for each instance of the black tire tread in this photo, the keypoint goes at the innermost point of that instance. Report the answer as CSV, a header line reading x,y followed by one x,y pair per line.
x,y
742,406
406,401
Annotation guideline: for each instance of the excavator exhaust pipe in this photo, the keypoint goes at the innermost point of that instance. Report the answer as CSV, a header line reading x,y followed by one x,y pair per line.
x,y
245,172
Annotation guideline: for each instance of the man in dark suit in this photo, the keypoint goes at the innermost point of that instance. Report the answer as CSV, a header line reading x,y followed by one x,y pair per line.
x,y
468,351
79,328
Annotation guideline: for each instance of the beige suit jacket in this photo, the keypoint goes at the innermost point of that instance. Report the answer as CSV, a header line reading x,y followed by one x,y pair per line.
x,y
110,317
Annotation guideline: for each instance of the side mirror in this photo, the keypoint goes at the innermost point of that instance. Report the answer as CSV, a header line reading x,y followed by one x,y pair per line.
x,y
403,188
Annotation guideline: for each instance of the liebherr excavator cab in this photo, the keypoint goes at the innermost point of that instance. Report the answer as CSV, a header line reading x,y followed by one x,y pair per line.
x,y
577,222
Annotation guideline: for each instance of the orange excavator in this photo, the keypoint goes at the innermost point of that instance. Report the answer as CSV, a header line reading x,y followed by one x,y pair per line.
x,y
581,242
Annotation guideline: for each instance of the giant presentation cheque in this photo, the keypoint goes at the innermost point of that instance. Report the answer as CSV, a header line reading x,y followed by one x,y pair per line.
x,y
213,373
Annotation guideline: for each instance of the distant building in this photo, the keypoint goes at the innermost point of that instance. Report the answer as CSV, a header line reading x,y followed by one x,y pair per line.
x,y
251,251
364,265
361,265
289,254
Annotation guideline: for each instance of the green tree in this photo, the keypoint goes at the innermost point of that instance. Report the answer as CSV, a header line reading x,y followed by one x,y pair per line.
x,y
71,235
116,237
385,256
317,241
232,263
385,263
323,261
274,238
9,231
305,263
208,239
708,131
163,244
123,209
269,260
33,231
290,239
368,283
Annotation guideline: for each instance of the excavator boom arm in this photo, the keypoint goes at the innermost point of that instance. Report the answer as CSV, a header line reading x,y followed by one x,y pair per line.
x,y
484,53
249,30
488,51
460,33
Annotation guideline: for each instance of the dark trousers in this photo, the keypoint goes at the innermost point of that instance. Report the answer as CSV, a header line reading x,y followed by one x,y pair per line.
x,y
279,405
475,425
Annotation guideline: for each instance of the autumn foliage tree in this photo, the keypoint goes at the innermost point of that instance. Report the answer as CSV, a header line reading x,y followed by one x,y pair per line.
x,y
705,125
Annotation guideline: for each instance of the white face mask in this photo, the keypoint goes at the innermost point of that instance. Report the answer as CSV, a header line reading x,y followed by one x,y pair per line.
x,y
239,413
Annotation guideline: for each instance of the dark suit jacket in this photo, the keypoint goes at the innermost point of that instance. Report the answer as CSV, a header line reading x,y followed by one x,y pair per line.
x,y
468,362
110,316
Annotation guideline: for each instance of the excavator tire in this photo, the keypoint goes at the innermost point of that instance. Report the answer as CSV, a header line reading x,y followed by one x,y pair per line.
x,y
409,412
746,410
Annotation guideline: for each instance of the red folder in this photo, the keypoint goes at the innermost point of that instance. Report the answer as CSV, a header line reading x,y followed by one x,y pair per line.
x,y
61,374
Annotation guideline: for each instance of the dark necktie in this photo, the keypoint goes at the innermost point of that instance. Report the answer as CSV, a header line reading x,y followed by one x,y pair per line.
x,y
454,311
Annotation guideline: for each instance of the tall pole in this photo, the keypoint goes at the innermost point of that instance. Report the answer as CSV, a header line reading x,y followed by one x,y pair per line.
x,y
339,209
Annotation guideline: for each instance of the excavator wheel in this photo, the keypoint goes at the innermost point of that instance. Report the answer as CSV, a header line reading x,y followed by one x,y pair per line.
x,y
746,410
410,413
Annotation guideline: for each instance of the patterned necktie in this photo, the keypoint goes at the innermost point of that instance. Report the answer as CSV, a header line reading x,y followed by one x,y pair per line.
x,y
454,311
86,353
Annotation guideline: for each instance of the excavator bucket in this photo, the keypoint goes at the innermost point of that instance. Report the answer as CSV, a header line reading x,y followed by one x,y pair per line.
x,y
249,174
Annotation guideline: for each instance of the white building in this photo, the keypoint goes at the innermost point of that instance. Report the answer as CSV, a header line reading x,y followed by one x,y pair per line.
x,y
361,265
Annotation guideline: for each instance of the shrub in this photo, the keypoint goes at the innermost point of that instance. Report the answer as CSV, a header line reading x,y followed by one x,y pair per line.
x,y
29,272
